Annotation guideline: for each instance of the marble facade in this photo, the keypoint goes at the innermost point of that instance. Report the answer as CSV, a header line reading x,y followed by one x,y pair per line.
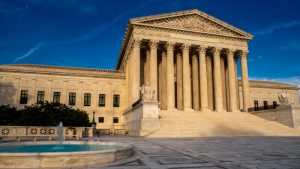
x,y
190,60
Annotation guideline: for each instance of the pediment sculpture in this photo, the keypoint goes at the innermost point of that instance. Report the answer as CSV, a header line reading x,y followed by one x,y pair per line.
x,y
194,23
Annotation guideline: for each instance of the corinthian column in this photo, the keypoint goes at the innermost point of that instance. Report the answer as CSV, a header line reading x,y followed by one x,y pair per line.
x,y
203,78
153,65
179,80
245,82
217,80
195,82
232,81
170,76
135,66
187,104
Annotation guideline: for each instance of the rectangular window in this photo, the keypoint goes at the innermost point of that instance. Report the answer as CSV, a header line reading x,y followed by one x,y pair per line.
x,y
40,96
274,104
56,97
255,105
24,97
116,120
266,105
87,99
101,119
101,100
116,101
72,99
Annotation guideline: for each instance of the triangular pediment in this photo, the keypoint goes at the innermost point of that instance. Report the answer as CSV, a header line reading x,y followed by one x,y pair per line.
x,y
192,20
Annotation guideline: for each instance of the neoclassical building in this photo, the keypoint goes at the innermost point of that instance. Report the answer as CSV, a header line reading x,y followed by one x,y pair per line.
x,y
189,59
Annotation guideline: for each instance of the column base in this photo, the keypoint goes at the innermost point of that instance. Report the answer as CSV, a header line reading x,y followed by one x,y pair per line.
x,y
188,109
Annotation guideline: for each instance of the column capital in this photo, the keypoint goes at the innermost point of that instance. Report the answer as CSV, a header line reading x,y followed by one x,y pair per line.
x,y
243,53
186,46
153,44
136,42
170,46
216,49
202,48
230,52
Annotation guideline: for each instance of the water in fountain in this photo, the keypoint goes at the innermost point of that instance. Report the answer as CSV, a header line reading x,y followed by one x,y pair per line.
x,y
60,132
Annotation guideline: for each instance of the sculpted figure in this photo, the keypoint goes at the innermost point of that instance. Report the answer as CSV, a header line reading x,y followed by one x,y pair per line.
x,y
147,93
283,98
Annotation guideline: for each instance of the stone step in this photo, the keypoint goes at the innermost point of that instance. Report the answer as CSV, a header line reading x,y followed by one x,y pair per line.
x,y
207,124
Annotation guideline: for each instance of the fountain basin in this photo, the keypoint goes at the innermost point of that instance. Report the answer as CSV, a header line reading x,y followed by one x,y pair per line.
x,y
70,154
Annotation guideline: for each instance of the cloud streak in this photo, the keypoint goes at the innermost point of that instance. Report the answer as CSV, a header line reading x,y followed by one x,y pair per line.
x,y
29,52
278,26
99,30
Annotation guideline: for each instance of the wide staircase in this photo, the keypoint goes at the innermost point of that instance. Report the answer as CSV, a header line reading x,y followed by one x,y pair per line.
x,y
210,124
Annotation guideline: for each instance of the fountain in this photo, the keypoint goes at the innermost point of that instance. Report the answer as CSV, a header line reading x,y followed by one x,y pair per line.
x,y
60,132
44,154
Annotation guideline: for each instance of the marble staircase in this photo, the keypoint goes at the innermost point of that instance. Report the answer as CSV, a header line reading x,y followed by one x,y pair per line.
x,y
213,124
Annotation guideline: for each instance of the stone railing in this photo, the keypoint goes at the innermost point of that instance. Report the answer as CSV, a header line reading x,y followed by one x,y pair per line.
x,y
50,132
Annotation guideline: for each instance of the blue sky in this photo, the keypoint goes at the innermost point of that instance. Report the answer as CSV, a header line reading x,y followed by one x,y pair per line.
x,y
89,33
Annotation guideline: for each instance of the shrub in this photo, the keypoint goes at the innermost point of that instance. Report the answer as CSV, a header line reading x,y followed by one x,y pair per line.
x,y
50,114
8,115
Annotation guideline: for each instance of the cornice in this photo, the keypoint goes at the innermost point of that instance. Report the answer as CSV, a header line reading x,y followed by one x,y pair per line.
x,y
270,85
65,71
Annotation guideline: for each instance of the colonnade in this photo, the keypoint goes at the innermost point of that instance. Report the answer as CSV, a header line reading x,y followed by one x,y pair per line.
x,y
189,76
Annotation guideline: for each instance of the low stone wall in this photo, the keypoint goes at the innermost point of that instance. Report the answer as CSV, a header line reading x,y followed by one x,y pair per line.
x,y
282,114
296,116
142,119
43,131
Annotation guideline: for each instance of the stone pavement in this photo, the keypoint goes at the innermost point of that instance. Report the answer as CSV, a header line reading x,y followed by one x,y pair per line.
x,y
210,153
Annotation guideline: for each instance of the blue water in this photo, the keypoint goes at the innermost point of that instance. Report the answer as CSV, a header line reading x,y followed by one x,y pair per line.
x,y
46,148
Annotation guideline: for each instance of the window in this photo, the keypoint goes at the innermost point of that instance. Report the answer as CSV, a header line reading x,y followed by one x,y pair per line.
x,y
101,119
72,99
116,101
116,120
255,105
266,105
101,100
24,97
87,99
56,97
274,104
40,96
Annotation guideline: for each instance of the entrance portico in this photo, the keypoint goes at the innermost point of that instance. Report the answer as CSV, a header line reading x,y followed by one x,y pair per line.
x,y
189,59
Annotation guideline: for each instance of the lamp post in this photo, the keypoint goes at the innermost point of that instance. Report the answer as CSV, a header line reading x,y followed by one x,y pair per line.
x,y
94,125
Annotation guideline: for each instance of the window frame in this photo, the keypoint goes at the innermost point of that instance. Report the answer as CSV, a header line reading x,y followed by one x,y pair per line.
x,y
256,106
87,99
266,105
116,104
104,98
72,99
56,97
24,97
40,96
102,119
115,120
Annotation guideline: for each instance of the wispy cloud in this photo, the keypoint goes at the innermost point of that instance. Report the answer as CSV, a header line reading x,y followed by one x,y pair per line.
x,y
29,52
105,26
291,80
278,26
291,45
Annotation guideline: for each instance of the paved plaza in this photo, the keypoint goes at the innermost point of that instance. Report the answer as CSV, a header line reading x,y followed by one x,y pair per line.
x,y
210,153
